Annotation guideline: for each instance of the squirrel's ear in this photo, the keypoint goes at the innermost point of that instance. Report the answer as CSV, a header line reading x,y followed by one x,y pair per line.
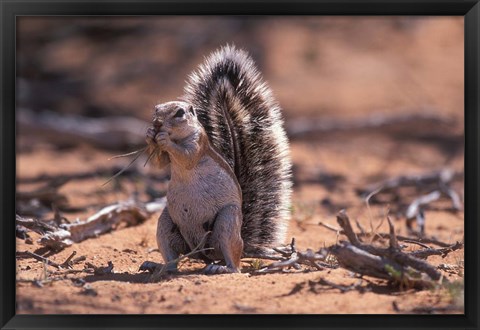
x,y
191,110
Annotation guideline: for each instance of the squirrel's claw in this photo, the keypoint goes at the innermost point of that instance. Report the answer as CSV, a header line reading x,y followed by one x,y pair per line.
x,y
151,135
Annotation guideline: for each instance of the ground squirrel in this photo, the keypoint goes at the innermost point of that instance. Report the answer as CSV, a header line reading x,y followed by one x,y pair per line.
x,y
230,164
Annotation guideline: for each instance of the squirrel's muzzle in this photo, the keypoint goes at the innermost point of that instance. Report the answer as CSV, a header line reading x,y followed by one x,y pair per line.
x,y
157,124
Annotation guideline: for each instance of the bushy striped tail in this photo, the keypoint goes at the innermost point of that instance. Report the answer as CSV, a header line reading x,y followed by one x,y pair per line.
x,y
244,124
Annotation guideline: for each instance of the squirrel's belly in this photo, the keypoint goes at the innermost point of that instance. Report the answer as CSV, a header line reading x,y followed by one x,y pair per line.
x,y
194,204
201,200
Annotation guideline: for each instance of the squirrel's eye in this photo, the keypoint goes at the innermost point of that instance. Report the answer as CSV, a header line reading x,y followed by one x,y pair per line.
x,y
179,113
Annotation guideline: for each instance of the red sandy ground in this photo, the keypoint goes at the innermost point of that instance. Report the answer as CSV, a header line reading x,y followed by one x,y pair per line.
x,y
423,68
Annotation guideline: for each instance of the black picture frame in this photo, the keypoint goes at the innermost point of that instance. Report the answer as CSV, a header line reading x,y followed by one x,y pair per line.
x,y
10,9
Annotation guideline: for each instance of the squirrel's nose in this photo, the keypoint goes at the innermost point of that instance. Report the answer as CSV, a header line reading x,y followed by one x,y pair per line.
x,y
157,124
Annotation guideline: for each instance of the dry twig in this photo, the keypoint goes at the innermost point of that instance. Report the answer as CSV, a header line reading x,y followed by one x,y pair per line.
x,y
387,263
419,241
28,254
129,213
432,186
294,258
109,133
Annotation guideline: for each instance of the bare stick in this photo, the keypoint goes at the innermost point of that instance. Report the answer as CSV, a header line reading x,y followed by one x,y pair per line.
x,y
360,261
433,178
393,237
344,222
359,226
391,260
420,241
78,260
28,254
34,225
110,133
67,263
415,209
423,254
417,243
456,202
108,218
295,259
330,227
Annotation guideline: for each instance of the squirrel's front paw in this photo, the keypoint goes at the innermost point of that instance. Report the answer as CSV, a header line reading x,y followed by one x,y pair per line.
x,y
163,140
151,135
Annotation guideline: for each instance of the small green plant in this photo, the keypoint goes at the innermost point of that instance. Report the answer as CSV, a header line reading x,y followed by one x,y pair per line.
x,y
257,264
331,260
456,292
404,279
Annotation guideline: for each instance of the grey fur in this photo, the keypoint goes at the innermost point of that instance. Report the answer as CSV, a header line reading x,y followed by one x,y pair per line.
x,y
230,163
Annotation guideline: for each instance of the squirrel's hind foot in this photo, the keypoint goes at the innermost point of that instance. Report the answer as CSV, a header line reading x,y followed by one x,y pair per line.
x,y
212,269
151,267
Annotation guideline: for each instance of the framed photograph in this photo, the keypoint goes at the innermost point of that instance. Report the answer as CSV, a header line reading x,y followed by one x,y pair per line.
x,y
250,165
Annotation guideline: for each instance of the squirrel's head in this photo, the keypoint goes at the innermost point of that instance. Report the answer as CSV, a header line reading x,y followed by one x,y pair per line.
x,y
177,118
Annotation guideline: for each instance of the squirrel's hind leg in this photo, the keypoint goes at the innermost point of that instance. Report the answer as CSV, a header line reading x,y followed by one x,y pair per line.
x,y
226,237
170,242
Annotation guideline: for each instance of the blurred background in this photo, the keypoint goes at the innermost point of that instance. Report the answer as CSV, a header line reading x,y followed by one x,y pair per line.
x,y
324,66
363,98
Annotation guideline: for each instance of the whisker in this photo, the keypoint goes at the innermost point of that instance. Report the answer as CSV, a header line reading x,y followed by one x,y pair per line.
x,y
154,152
126,167
129,154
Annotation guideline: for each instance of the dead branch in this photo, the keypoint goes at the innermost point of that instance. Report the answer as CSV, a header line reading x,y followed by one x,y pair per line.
x,y
387,263
455,198
419,241
330,227
416,243
393,237
109,133
435,183
28,254
360,261
444,176
78,260
300,128
294,258
415,210
109,218
344,222
423,254
37,226
68,262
